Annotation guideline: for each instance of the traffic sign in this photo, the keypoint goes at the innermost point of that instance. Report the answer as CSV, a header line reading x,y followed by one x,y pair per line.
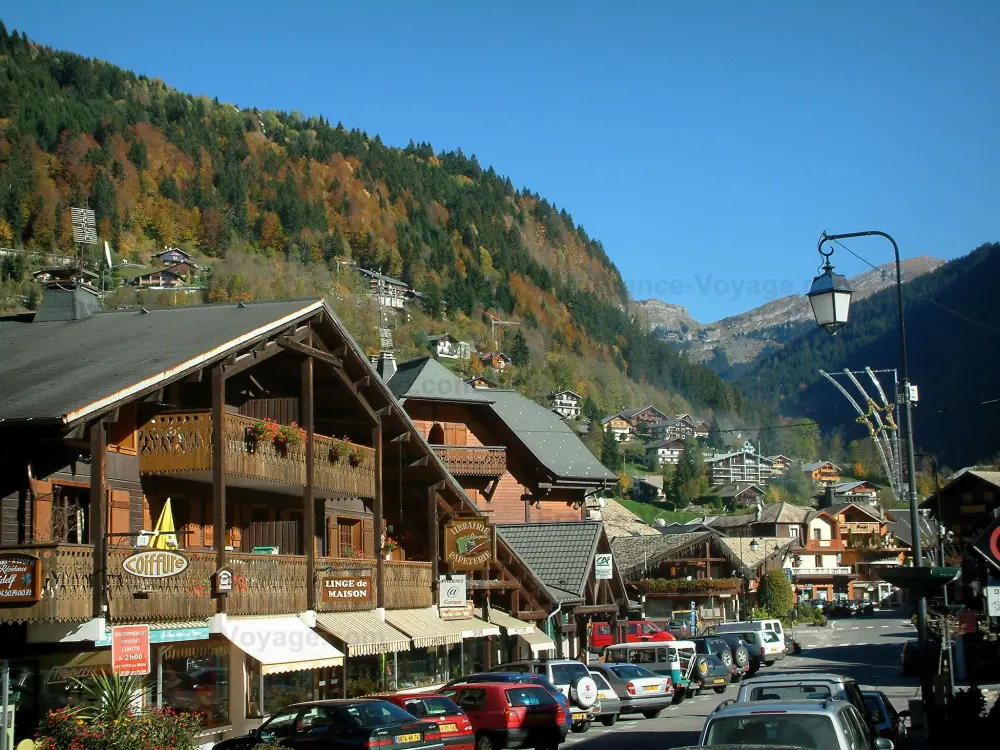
x,y
130,650
993,598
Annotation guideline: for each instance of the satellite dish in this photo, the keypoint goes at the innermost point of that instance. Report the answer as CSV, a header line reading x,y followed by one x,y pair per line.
x,y
660,523
107,253
601,501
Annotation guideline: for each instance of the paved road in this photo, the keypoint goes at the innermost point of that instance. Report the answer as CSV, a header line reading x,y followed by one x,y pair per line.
x,y
865,648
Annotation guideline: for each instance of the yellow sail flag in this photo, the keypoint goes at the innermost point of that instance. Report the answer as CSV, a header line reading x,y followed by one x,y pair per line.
x,y
164,535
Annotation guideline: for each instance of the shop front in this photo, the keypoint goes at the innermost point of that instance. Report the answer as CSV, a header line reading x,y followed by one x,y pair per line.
x,y
371,645
518,639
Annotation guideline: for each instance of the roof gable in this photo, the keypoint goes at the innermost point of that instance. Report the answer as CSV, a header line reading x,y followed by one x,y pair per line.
x,y
426,378
560,555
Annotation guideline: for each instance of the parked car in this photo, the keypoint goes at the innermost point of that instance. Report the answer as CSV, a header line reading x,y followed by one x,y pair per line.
x,y
610,705
571,678
775,644
510,714
639,690
810,724
806,686
455,726
712,672
744,641
342,725
638,631
888,723
678,628
866,607
738,662
521,677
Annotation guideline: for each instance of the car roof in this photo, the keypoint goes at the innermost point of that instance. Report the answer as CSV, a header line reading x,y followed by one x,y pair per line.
x,y
495,684
408,696
806,706
803,677
338,702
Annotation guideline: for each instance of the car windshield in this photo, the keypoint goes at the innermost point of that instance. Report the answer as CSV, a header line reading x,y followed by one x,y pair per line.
x,y
422,707
377,713
788,692
629,671
529,696
567,674
807,731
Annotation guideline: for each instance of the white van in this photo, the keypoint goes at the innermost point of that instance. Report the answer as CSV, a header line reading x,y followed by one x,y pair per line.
x,y
774,650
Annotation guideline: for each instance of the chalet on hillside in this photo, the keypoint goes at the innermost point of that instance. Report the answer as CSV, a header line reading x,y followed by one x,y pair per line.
x,y
482,382
822,471
647,488
667,451
969,502
446,346
387,291
496,360
644,415
736,496
620,427
744,467
856,492
566,402
779,464
170,256
778,520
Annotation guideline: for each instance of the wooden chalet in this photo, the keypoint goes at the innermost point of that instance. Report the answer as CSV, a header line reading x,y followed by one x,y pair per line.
x,y
228,474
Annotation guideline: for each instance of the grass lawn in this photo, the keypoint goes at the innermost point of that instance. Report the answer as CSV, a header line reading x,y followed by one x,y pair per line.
x,y
649,513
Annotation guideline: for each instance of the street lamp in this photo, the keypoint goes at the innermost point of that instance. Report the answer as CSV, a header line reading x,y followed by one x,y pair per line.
x,y
830,297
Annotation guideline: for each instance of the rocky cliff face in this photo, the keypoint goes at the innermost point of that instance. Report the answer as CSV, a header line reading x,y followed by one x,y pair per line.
x,y
743,338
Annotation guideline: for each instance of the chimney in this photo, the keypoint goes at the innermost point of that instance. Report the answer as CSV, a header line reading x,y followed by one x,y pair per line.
x,y
67,296
386,366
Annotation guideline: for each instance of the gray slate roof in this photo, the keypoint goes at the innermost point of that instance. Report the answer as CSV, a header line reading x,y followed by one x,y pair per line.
x,y
663,443
550,439
427,378
49,370
634,553
560,555
619,521
903,531
817,464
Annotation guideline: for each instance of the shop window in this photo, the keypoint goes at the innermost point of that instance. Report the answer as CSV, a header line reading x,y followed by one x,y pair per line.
x,y
198,683
421,667
268,694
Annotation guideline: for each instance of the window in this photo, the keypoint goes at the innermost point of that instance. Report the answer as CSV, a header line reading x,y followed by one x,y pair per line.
x,y
633,672
199,684
797,730
817,533
376,713
348,533
793,531
528,696
472,699
599,680
282,725
642,656
789,692
819,561
661,655
313,720
567,674
426,707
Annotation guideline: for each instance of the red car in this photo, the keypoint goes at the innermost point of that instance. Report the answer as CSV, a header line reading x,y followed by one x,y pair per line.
x,y
639,631
514,715
456,728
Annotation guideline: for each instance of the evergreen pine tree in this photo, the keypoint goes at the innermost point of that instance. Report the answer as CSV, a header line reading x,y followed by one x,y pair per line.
x,y
611,455
589,408
519,353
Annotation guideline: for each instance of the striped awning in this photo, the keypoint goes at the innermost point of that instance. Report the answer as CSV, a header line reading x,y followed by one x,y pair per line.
x,y
363,633
512,625
427,629
537,641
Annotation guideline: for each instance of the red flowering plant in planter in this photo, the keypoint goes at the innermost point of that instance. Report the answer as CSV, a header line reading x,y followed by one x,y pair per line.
x,y
289,434
357,455
339,449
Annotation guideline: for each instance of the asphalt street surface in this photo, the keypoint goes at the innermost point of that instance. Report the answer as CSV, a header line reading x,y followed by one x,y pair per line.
x,y
865,648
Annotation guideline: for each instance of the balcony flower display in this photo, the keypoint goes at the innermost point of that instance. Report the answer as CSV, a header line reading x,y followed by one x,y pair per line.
x,y
339,449
351,553
264,430
289,434
681,585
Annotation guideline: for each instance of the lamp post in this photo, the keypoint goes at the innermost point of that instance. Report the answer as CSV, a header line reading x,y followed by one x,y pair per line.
x,y
830,298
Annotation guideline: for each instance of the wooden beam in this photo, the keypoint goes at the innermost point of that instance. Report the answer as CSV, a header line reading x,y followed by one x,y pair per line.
x,y
363,382
309,351
422,461
385,411
219,472
492,585
433,542
377,511
491,489
98,516
308,498
404,438
195,377
252,358
594,609
341,351
532,614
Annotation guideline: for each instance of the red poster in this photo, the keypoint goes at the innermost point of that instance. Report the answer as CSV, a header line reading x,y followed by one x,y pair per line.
x,y
130,650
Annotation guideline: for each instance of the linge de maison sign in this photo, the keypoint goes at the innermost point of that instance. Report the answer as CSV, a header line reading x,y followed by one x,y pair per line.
x,y
155,564
19,578
352,588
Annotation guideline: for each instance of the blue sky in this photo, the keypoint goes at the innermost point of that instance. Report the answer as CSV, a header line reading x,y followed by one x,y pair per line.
x,y
706,144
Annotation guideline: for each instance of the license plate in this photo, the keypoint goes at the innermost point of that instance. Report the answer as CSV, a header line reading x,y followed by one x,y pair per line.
x,y
401,738
719,680
579,717
449,727
651,688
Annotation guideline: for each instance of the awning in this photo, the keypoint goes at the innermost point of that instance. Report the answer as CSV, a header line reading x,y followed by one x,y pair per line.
x,y
888,562
282,644
512,625
426,627
363,633
537,641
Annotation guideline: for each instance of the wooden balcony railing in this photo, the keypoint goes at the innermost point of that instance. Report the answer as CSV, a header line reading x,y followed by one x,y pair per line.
x,y
473,460
178,442
262,585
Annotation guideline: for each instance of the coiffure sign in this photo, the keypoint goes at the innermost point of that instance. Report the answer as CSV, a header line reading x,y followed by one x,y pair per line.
x,y
155,564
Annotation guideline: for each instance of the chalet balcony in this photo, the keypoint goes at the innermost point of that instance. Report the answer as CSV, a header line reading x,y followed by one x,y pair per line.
x,y
179,445
262,585
839,570
473,460
669,588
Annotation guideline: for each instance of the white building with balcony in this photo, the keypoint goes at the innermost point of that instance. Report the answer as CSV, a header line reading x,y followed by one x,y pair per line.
x,y
566,403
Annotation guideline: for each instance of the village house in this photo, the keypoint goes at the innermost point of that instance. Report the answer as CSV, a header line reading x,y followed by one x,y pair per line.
x,y
165,278
566,403
170,256
446,346
822,472
253,448
648,488
620,427
778,520
744,467
671,429
779,464
818,568
968,503
869,548
662,452
482,382
497,360
736,496
643,417
699,427
861,492
387,291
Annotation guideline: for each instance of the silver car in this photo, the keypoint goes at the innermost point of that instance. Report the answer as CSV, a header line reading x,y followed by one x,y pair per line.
x,y
639,690
807,724
610,707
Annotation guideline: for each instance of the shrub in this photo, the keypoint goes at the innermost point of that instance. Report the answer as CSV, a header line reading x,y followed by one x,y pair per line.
x,y
776,593
157,729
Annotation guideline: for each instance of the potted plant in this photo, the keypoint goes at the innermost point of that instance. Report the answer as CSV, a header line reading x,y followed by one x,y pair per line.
x,y
265,429
339,450
389,545
289,434
356,455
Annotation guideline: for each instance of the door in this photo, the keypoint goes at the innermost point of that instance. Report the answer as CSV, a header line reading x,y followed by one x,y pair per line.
x,y
314,728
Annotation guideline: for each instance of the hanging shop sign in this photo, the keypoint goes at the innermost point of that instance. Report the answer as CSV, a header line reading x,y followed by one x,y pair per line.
x,y
469,544
603,566
341,588
155,564
222,581
20,578
452,592
130,650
